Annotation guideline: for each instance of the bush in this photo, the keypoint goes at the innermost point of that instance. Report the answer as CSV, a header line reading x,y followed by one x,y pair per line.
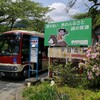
x,y
92,67
65,75
43,92
80,94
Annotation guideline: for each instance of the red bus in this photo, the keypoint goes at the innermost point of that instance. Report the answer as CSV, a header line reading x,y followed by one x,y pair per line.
x,y
15,53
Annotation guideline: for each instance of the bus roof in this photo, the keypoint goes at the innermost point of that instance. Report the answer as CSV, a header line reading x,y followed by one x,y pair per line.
x,y
33,33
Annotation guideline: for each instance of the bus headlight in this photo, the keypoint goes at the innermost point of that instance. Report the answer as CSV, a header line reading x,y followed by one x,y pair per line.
x,y
15,68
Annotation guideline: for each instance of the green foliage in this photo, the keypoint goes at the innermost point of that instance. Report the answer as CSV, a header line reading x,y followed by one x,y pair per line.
x,y
11,11
91,75
43,92
79,16
97,20
2,28
80,94
93,12
28,91
95,17
65,75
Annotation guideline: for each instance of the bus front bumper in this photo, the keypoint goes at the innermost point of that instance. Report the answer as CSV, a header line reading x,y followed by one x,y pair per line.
x,y
11,74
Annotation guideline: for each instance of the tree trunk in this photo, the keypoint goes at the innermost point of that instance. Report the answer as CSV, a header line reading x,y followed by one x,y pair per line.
x,y
12,23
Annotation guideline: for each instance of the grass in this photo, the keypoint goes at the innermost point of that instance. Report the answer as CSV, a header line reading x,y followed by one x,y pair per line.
x,y
44,91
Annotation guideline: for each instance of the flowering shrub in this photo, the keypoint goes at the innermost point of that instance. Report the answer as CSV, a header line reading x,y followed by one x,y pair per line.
x,y
92,65
65,75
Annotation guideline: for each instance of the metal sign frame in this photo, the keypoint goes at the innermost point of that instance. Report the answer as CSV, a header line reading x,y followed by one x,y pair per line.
x,y
34,43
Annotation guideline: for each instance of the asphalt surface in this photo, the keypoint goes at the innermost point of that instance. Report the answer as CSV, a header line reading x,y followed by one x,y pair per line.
x,y
7,83
10,87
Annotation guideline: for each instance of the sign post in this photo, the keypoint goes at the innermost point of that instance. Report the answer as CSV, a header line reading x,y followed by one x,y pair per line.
x,y
34,53
68,34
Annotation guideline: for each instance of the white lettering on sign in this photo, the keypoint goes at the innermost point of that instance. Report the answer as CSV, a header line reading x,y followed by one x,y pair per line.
x,y
85,42
69,23
51,25
82,27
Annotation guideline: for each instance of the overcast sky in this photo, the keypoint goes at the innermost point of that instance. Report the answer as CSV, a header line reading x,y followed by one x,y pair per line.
x,y
59,14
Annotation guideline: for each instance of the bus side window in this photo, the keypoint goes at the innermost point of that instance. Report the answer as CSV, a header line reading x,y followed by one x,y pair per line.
x,y
25,48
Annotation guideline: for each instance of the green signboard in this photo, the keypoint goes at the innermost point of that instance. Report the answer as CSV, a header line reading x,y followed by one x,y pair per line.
x,y
69,33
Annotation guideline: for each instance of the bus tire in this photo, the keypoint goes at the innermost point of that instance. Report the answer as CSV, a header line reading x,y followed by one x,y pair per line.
x,y
25,73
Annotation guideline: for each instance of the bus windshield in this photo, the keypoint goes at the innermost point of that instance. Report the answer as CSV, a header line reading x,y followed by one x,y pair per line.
x,y
9,44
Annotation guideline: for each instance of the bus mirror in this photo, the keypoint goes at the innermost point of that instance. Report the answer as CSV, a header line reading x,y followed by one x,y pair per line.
x,y
17,38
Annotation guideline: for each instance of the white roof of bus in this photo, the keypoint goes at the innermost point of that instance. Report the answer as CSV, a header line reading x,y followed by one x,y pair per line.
x,y
34,33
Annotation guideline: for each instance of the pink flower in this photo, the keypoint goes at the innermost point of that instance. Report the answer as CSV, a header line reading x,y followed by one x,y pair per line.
x,y
94,55
89,50
97,43
90,75
88,55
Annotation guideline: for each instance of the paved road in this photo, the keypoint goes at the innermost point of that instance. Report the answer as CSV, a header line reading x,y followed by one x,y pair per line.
x,y
7,83
9,88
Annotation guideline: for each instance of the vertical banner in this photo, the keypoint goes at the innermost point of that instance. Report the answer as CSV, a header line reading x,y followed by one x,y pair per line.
x,y
34,42
33,49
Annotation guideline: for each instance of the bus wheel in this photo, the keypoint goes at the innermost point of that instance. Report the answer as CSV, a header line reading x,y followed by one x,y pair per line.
x,y
25,73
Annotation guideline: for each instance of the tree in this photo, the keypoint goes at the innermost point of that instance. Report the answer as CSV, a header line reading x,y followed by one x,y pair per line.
x,y
93,12
11,11
70,5
95,5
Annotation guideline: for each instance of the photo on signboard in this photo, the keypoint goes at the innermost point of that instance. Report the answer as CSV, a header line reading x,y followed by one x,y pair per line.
x,y
58,40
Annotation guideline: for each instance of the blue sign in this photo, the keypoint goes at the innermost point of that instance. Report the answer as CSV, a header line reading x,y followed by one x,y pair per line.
x,y
15,60
34,41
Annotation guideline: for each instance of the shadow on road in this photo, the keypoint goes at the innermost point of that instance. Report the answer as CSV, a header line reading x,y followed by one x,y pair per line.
x,y
19,80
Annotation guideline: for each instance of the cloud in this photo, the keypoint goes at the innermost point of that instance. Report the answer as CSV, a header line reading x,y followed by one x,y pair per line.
x,y
59,14
74,11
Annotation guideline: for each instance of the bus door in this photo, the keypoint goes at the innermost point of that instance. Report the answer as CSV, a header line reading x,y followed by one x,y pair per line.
x,y
40,50
25,49
42,55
